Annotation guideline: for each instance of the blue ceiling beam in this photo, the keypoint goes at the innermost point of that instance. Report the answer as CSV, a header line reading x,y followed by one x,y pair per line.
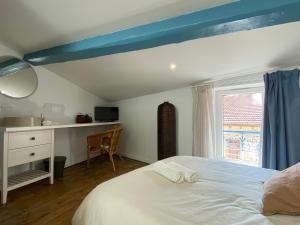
x,y
12,66
236,16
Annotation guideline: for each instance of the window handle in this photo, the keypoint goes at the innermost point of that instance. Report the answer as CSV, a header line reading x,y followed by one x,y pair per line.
x,y
32,138
32,154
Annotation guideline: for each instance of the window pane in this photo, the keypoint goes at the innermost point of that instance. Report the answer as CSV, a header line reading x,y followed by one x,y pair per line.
x,y
242,127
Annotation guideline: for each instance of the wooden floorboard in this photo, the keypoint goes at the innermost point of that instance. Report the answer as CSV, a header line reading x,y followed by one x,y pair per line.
x,y
44,204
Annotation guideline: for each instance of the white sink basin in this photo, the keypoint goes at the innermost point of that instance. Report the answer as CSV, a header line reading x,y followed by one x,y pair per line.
x,y
29,121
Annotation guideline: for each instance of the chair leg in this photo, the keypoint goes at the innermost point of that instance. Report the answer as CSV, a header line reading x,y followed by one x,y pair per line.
x,y
112,161
118,153
120,156
88,159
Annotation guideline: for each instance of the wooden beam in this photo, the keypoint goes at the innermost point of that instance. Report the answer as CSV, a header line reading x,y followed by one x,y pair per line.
x,y
12,66
237,16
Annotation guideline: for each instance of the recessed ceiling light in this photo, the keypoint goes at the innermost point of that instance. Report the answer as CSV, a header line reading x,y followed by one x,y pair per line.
x,y
173,66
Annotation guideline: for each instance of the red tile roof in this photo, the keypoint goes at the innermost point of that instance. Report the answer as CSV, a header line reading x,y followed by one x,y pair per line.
x,y
243,109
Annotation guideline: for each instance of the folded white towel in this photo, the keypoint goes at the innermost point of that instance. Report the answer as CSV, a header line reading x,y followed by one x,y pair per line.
x,y
166,171
190,175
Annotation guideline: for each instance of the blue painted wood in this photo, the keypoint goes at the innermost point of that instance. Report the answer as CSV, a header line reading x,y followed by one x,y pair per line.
x,y
236,16
12,66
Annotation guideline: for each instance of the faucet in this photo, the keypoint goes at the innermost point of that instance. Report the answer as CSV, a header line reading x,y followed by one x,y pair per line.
x,y
42,119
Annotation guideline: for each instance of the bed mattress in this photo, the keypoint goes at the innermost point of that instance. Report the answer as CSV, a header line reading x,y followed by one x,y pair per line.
x,y
226,194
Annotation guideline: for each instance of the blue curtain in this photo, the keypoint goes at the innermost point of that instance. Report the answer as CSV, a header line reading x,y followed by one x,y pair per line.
x,y
281,138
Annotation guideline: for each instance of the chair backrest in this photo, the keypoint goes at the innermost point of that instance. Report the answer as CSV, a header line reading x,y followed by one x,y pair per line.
x,y
115,138
93,142
110,138
96,140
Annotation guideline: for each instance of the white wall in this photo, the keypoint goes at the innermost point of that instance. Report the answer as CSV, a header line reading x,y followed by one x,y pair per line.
x,y
59,100
139,118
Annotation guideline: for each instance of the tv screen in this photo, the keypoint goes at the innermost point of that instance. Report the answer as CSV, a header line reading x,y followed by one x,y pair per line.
x,y
106,114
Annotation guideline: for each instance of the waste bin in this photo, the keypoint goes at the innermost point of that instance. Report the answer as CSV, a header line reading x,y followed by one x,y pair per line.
x,y
59,165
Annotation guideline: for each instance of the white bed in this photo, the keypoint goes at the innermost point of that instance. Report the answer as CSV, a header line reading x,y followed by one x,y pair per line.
x,y
227,194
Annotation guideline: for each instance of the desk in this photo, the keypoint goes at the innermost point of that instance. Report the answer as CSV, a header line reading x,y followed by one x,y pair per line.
x,y
15,129
20,145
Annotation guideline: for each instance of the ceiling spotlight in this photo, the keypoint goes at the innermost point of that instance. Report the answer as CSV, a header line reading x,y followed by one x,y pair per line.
x,y
173,66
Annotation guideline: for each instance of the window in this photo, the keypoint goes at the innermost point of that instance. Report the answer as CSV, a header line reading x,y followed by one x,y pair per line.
x,y
239,114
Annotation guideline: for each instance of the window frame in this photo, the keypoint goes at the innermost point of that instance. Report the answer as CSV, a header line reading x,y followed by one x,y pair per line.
x,y
219,92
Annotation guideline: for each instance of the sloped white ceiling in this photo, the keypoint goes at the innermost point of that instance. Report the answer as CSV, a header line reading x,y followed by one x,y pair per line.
x,y
29,25
143,72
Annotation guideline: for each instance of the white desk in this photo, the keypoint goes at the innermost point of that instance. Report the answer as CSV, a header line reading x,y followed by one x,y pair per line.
x,y
20,145
15,129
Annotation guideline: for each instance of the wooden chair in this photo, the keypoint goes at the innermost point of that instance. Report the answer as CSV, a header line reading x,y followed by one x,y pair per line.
x,y
105,142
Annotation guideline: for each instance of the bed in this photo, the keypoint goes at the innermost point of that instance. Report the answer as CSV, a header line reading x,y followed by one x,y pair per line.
x,y
226,194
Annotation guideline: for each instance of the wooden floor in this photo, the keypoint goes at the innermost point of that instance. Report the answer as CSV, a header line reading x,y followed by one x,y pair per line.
x,y
41,203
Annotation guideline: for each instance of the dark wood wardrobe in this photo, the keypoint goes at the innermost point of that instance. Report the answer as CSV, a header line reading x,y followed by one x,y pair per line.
x,y
166,130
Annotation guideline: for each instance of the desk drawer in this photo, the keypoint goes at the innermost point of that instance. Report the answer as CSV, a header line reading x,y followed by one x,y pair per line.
x,y
29,154
29,138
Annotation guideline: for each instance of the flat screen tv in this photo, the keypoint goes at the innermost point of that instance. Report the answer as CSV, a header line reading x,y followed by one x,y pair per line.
x,y
106,114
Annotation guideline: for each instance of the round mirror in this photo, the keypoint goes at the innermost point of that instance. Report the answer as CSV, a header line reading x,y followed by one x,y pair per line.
x,y
17,78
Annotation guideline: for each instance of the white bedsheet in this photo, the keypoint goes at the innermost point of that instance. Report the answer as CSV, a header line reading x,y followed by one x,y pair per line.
x,y
227,194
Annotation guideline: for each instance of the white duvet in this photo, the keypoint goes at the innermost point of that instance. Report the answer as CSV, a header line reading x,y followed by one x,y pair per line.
x,y
227,194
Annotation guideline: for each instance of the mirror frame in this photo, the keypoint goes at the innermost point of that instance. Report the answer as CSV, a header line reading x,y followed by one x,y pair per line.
x,y
31,67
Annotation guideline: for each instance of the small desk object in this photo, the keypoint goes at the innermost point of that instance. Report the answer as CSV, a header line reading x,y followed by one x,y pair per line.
x,y
21,145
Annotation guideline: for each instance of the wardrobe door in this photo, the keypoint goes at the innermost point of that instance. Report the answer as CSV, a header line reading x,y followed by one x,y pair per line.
x,y
166,130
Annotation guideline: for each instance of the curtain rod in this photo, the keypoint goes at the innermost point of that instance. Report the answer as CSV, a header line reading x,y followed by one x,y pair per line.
x,y
225,77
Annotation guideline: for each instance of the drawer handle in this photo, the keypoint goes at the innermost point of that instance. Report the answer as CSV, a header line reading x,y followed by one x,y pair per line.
x,y
32,154
32,138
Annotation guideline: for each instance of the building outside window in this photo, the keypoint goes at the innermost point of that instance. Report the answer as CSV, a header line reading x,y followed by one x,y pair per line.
x,y
239,131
